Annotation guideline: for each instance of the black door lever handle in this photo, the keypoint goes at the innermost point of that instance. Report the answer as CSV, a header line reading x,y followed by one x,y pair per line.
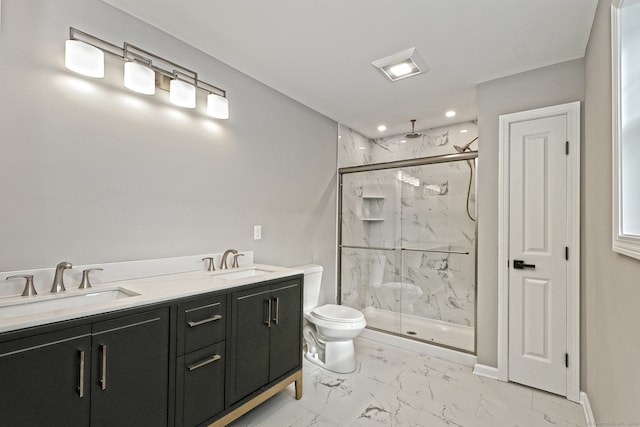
x,y
520,265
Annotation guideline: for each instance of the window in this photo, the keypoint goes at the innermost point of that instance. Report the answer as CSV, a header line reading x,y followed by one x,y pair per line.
x,y
626,126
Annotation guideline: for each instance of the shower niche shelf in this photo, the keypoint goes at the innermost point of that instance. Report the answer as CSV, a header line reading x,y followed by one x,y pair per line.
x,y
372,208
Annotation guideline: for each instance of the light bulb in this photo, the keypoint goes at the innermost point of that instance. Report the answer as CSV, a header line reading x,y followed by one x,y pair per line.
x,y
217,106
84,59
182,93
139,78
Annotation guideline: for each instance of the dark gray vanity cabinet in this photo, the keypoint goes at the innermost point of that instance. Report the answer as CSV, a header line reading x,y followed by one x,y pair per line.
x,y
186,362
200,369
265,337
44,380
107,373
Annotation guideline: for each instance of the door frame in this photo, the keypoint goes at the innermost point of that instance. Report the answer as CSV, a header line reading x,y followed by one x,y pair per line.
x,y
572,113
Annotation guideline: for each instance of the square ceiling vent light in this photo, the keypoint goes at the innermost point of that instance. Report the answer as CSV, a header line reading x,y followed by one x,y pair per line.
x,y
401,65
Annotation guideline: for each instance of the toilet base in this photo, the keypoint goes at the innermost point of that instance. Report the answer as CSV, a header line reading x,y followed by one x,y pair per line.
x,y
339,357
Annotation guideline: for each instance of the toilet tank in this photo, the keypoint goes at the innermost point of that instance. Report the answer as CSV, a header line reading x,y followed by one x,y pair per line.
x,y
312,282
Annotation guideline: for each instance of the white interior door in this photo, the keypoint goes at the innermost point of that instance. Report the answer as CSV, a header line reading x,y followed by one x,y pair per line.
x,y
537,244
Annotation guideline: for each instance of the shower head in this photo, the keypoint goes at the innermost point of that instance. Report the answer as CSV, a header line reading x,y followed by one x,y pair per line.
x,y
466,147
413,133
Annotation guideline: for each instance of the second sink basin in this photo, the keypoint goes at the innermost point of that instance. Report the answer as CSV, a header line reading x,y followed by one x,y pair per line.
x,y
52,303
238,274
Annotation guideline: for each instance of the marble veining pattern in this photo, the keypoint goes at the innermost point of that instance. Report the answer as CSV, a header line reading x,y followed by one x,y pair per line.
x,y
355,149
395,387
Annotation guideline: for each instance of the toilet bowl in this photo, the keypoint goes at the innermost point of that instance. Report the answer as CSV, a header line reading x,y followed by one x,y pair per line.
x,y
329,330
389,294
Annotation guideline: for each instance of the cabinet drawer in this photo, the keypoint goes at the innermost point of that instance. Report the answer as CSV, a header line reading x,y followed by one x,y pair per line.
x,y
201,323
200,385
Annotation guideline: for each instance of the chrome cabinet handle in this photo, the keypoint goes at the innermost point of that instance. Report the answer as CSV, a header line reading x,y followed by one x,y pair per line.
x,y
268,321
203,321
81,376
277,318
103,376
204,362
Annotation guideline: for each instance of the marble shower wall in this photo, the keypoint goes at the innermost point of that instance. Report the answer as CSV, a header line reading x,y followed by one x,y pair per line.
x,y
355,149
426,212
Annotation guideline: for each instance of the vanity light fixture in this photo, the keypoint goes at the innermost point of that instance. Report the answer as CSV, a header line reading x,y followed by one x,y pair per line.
x,y
143,72
84,58
401,65
182,94
139,78
217,106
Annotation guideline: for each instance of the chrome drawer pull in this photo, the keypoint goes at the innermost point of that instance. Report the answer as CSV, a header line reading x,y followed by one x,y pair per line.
x,y
277,318
268,321
103,377
81,385
204,362
203,321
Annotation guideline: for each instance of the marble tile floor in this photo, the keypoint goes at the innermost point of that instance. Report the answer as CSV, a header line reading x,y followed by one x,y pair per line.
x,y
395,387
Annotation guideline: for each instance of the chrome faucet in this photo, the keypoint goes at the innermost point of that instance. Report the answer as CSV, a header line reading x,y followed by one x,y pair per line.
x,y
58,282
223,261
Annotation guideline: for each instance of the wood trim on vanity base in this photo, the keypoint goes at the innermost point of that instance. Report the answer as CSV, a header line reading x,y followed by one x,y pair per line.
x,y
261,398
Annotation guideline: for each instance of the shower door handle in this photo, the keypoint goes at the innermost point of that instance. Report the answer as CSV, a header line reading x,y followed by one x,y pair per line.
x,y
520,265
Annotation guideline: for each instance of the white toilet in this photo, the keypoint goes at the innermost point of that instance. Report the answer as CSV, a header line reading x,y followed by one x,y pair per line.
x,y
330,329
389,294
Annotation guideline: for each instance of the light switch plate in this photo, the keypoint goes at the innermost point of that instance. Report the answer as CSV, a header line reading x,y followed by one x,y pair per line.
x,y
257,232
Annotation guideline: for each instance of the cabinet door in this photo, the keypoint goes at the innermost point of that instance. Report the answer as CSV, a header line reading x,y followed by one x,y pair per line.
x,y
200,381
44,380
131,370
286,333
249,343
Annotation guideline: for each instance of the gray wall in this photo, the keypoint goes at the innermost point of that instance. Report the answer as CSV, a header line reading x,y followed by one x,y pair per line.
x,y
91,172
556,84
611,281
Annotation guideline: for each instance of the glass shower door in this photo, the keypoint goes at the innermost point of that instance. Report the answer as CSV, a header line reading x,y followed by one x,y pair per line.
x,y
438,241
407,250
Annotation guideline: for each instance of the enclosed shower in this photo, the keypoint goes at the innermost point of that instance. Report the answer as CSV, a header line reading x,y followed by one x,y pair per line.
x,y
407,246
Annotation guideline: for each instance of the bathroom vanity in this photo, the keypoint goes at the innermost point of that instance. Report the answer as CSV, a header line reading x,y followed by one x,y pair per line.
x,y
186,349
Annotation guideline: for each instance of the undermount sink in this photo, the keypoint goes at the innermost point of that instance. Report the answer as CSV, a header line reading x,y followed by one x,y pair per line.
x,y
238,274
54,303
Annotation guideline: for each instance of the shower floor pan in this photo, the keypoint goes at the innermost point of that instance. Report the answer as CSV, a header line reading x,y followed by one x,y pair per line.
x,y
429,330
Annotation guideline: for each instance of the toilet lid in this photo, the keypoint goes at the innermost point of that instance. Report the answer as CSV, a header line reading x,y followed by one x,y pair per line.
x,y
337,313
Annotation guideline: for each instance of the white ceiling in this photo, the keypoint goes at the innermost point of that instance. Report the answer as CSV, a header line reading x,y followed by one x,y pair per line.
x,y
320,52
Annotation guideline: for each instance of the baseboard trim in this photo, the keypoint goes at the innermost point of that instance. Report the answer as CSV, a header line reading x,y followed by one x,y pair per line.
x,y
586,408
485,371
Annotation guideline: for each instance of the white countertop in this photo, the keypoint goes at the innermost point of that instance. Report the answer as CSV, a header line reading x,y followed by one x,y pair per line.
x,y
151,290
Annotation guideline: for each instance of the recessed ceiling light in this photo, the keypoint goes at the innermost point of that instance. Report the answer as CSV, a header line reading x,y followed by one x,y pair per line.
x,y
401,69
464,131
450,113
401,65
382,128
